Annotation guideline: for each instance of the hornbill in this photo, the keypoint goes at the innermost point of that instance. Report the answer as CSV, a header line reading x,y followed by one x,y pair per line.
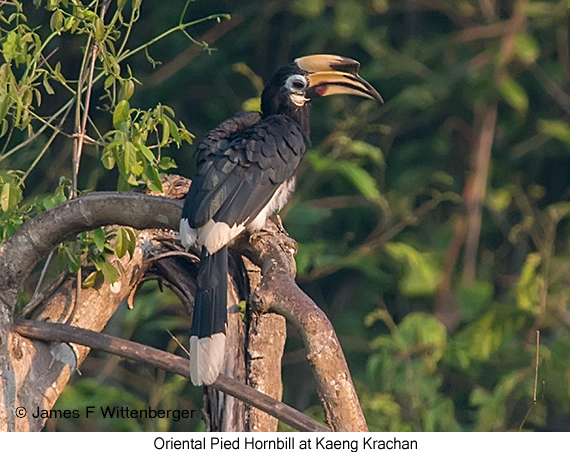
x,y
246,171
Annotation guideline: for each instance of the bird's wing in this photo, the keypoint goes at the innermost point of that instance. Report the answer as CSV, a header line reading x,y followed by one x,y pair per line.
x,y
241,164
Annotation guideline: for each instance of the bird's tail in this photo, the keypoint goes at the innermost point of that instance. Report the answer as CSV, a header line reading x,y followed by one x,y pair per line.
x,y
208,331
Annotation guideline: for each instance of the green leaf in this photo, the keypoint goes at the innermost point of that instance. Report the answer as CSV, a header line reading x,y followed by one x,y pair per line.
x,y
71,259
127,90
4,105
99,238
360,178
499,199
362,148
10,196
108,159
309,8
57,73
11,46
423,332
48,203
132,241
121,243
555,128
527,48
514,94
173,129
52,201
350,18
252,104
132,181
420,276
494,330
99,29
56,21
530,285
131,163
110,273
153,182
125,242
475,299
109,81
47,86
415,96
167,163
165,131
121,113
91,279
146,152
5,125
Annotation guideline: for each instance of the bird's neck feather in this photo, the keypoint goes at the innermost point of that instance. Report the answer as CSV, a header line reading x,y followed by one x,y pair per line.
x,y
301,115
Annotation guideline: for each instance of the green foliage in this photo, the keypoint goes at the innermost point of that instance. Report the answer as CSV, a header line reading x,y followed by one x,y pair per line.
x,y
127,147
135,143
100,247
404,367
420,276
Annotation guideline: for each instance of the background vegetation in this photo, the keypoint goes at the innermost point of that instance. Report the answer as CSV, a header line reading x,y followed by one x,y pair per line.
x,y
432,229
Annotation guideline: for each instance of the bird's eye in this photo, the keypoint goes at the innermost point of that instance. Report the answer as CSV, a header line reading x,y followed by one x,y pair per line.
x,y
296,83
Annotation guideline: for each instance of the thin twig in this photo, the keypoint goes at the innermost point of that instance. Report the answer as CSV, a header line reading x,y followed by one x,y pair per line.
x,y
45,59
80,125
534,399
56,132
476,186
179,27
42,276
536,366
376,239
182,60
45,293
39,132
175,339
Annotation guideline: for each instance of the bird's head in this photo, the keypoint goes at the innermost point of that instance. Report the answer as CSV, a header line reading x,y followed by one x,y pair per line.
x,y
293,86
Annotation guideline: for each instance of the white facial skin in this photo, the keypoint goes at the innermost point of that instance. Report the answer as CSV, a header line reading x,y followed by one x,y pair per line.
x,y
296,85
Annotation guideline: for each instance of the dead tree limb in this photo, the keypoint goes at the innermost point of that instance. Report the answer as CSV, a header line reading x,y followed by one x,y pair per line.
x,y
278,292
59,333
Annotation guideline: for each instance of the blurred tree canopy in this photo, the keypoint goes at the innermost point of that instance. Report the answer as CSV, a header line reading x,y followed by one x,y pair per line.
x,y
433,229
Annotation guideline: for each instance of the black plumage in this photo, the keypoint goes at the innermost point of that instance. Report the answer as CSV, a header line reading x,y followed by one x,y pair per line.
x,y
241,164
245,172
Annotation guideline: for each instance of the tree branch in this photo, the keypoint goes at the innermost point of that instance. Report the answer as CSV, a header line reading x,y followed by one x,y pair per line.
x,y
143,353
37,237
273,252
